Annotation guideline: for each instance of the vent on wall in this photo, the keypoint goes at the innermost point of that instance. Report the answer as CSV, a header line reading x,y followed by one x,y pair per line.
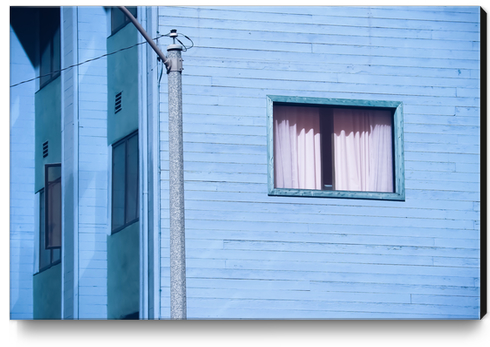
x,y
118,104
45,149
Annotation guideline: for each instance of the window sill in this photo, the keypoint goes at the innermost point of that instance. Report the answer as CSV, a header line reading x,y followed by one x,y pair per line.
x,y
340,194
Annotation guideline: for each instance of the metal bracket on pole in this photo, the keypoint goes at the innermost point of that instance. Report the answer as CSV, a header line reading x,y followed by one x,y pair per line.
x,y
175,61
174,64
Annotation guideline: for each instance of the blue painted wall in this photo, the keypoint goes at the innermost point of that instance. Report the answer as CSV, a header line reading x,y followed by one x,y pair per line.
x,y
93,220
254,256
22,229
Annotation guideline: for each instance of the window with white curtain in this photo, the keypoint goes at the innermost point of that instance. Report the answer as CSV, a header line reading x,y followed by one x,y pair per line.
x,y
335,148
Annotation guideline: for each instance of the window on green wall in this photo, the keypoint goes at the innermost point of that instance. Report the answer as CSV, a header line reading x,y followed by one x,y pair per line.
x,y
50,217
125,190
335,148
49,44
119,19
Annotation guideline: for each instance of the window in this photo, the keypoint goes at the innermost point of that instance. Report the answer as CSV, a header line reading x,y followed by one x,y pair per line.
x,y
119,19
50,53
50,217
335,148
125,201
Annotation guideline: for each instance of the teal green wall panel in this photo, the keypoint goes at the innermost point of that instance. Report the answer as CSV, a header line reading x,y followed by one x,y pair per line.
x,y
122,76
123,272
47,128
47,293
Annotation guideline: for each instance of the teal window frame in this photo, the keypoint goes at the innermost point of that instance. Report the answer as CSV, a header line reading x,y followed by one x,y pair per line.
x,y
398,156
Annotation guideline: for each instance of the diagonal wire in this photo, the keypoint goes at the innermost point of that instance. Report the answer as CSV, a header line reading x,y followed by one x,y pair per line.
x,y
86,61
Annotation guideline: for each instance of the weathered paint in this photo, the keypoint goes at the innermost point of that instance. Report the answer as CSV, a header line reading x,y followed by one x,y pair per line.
x,y
250,255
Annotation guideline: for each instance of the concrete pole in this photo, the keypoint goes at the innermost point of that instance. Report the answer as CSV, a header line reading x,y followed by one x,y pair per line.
x,y
178,304
173,62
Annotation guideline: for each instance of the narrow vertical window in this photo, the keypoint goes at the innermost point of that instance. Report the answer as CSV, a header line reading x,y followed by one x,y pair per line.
x,y
52,188
118,185
50,217
44,254
125,187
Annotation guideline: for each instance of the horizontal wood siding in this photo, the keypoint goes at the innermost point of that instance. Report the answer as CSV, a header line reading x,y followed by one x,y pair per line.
x,y
254,256
22,228
93,216
69,167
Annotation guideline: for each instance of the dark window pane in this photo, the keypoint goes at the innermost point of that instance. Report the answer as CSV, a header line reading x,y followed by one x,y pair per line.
x,y
118,185
53,173
125,190
44,254
52,188
53,231
132,179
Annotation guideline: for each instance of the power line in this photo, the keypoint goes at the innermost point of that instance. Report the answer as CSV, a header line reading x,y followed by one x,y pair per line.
x,y
86,61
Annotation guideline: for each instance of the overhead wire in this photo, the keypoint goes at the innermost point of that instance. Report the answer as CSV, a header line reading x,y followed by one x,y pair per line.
x,y
93,59
188,38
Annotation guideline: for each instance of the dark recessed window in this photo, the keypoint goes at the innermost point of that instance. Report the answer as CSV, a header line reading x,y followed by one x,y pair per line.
x,y
125,189
50,217
119,19
49,44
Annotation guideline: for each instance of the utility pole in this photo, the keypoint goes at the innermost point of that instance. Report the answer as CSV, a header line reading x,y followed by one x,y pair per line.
x,y
178,304
173,63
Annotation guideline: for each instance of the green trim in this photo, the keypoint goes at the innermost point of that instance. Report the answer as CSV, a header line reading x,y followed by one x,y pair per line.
x,y
398,156
333,102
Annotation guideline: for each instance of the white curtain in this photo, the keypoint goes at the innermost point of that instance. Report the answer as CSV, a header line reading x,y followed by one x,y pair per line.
x,y
362,150
297,147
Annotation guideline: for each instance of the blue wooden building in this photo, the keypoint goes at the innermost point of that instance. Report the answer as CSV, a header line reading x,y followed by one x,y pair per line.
x,y
89,209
